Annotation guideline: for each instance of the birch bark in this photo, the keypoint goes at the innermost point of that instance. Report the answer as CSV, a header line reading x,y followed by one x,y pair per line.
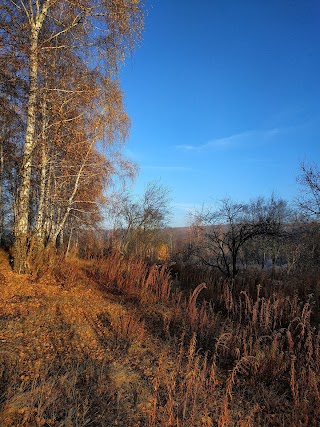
x,y
21,226
44,160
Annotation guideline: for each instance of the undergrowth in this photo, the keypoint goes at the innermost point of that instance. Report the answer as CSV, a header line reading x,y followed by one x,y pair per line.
x,y
114,342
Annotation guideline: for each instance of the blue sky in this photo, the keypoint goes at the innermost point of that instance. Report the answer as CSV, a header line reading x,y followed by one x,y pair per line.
x,y
224,97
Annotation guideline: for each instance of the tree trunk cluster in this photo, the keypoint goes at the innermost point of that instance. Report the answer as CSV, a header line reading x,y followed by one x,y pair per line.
x,y
61,104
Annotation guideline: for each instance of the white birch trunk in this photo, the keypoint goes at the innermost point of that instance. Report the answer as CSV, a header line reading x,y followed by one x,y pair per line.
x,y
49,205
22,208
21,225
60,226
44,160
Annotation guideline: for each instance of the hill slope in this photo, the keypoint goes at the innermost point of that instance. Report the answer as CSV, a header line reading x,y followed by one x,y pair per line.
x,y
112,343
73,357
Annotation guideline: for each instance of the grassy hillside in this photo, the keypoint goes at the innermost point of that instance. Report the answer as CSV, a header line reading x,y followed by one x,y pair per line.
x,y
113,343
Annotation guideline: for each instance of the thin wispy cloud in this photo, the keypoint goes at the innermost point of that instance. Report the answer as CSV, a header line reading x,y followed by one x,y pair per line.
x,y
236,140
230,140
186,147
187,207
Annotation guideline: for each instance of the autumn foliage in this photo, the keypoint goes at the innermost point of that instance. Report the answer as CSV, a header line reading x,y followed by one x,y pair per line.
x,y
64,116
118,328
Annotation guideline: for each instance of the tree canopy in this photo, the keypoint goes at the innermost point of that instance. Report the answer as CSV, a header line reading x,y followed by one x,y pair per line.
x,y
62,103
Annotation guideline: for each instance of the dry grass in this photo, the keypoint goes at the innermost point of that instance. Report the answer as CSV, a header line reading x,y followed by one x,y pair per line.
x,y
111,343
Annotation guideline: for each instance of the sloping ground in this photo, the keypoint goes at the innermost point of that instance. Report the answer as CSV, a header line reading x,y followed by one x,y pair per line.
x,y
71,357
112,343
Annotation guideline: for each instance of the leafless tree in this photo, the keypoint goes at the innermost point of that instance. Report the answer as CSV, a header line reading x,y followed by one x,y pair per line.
x,y
139,221
226,230
309,200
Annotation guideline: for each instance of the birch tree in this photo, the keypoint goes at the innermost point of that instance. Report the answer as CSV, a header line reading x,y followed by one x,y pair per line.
x,y
96,33
12,92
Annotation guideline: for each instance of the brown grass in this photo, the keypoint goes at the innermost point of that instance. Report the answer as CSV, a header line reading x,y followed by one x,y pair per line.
x,y
112,343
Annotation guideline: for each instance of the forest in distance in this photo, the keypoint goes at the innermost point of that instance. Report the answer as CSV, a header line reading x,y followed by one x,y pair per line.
x,y
137,324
